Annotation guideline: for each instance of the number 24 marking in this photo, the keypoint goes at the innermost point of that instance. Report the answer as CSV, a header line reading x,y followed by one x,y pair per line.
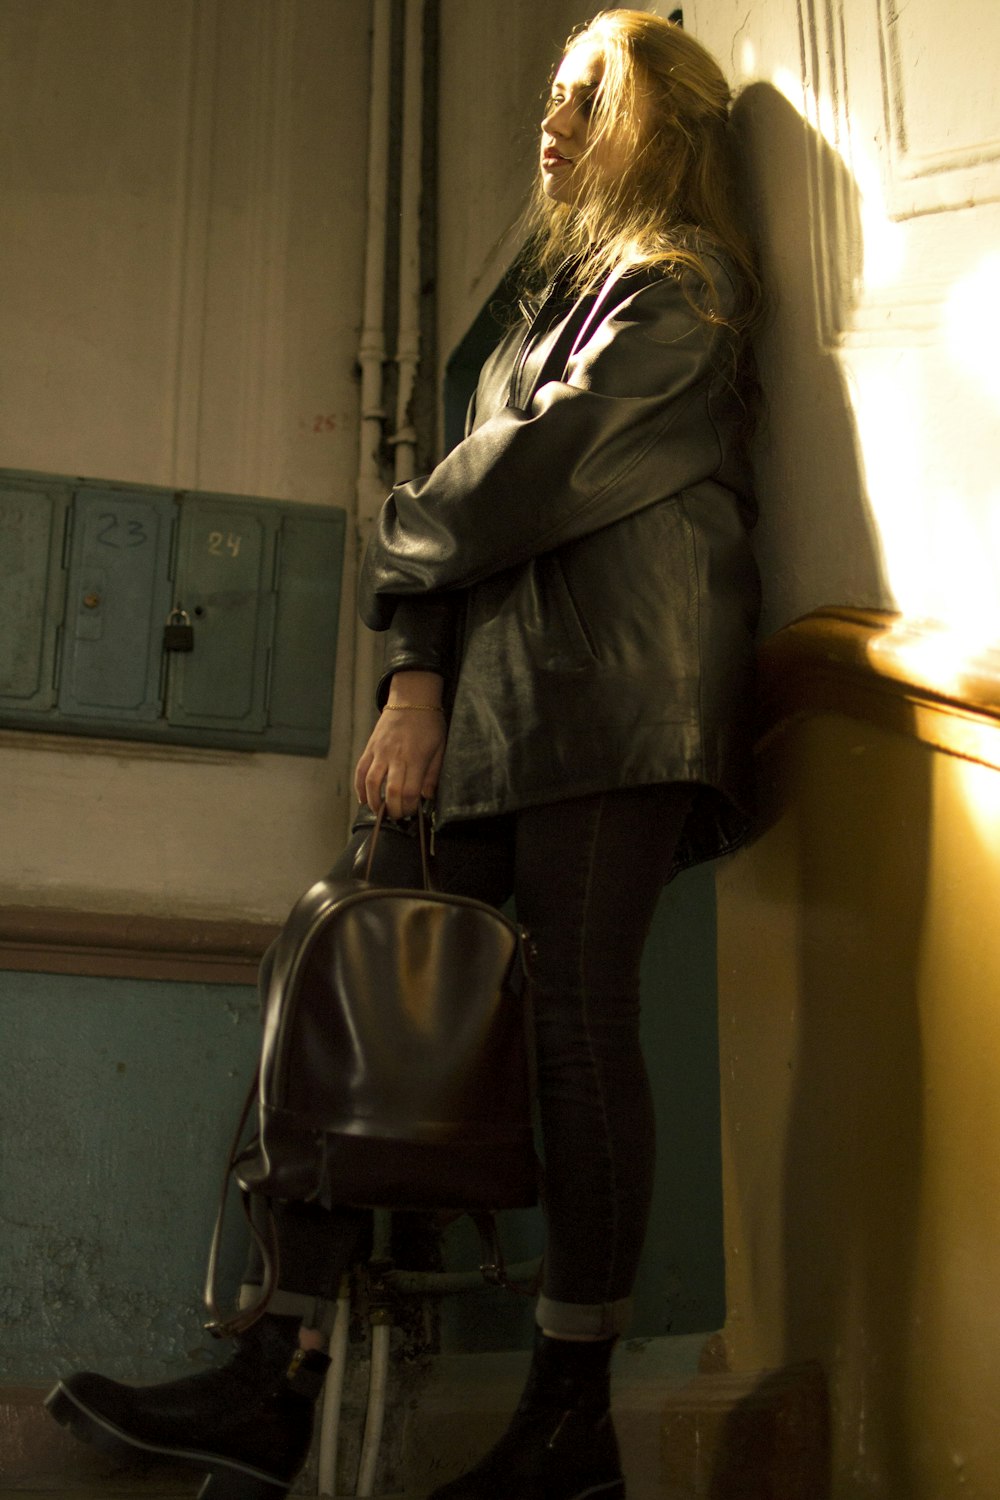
x,y
216,542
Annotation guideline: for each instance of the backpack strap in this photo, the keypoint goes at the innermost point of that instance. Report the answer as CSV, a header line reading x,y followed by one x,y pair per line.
x,y
492,1265
219,1325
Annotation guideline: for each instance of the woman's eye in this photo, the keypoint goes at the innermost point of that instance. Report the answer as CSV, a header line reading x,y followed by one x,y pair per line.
x,y
583,105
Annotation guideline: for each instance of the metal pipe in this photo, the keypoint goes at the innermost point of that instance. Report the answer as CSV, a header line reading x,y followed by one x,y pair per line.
x,y
333,1394
411,183
369,487
443,1283
377,1387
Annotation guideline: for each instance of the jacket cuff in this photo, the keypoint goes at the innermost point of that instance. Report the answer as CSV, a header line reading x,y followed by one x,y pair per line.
x,y
420,638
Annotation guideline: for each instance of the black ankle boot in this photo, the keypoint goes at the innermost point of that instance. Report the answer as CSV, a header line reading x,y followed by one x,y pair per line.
x,y
561,1442
248,1422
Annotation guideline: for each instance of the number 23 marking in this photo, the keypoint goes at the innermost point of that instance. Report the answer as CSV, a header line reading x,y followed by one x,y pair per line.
x,y
135,532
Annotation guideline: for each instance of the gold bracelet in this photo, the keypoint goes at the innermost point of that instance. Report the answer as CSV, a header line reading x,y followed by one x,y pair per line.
x,y
427,708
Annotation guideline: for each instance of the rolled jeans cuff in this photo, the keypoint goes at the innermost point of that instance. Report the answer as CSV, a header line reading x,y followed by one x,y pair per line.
x,y
314,1312
584,1320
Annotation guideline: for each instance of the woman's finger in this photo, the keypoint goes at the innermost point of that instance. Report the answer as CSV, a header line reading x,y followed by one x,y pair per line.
x,y
401,762
429,785
361,775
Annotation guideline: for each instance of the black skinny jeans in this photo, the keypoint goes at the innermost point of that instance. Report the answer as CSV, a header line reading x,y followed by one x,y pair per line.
x,y
585,875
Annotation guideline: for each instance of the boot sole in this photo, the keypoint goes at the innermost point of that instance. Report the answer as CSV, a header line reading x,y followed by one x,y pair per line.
x,y
227,1479
614,1489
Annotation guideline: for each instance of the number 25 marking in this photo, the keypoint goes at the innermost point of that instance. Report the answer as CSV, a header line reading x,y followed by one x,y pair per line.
x,y
216,542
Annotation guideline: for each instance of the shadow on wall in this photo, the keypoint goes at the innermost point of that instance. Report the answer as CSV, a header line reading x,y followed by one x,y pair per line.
x,y
816,541
826,1076
855,1146
846,846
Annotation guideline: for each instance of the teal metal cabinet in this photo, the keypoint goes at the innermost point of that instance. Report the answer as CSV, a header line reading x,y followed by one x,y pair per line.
x,y
304,637
117,598
224,586
32,526
90,573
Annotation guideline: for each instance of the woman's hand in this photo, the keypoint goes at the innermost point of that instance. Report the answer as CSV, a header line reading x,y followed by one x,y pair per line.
x,y
402,760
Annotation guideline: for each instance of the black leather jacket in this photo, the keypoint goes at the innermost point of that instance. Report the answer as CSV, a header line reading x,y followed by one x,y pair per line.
x,y
578,567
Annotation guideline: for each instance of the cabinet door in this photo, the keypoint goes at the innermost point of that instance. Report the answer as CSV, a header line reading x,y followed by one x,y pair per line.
x,y
225,575
32,524
310,564
117,600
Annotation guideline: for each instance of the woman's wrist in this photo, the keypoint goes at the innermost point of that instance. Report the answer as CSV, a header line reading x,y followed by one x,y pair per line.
x,y
415,689
422,708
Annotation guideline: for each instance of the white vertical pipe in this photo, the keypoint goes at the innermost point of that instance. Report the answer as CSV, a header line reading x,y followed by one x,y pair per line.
x,y
378,1386
333,1394
404,465
369,487
411,182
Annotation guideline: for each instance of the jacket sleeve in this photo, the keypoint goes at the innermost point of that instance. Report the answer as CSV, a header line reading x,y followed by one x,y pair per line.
x,y
421,636
630,423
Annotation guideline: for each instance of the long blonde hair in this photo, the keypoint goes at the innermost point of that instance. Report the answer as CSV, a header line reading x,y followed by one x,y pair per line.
x,y
662,106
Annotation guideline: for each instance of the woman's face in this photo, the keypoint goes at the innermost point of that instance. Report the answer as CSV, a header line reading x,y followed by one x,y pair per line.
x,y
566,125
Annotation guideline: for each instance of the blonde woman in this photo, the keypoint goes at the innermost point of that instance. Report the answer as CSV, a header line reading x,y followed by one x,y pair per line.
x,y
569,604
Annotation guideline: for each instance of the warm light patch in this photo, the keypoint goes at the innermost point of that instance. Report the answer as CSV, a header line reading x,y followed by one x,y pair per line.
x,y
964,585
789,84
885,396
981,789
924,398
883,239
972,325
941,544
939,657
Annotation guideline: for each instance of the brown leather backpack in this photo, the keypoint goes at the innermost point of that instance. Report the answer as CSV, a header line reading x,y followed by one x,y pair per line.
x,y
394,1068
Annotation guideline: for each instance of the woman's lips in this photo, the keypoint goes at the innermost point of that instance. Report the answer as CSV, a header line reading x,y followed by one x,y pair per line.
x,y
553,159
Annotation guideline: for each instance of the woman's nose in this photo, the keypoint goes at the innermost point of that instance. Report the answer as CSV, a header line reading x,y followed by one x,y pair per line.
x,y
558,120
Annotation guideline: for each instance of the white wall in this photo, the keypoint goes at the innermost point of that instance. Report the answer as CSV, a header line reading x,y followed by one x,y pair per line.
x,y
873,136
181,242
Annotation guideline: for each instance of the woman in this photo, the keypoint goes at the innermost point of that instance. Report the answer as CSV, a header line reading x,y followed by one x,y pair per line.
x,y
569,604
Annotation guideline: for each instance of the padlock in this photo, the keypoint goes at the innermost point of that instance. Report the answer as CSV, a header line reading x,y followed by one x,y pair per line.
x,y
178,633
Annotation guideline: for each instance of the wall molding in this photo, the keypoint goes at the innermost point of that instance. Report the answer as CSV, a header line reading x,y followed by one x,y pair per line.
x,y
51,940
914,678
882,90
954,173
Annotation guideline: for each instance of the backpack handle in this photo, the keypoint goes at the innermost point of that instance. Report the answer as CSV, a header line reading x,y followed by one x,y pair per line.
x,y
380,817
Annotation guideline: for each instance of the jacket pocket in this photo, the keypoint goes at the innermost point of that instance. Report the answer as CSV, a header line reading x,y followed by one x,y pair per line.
x,y
574,621
552,630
